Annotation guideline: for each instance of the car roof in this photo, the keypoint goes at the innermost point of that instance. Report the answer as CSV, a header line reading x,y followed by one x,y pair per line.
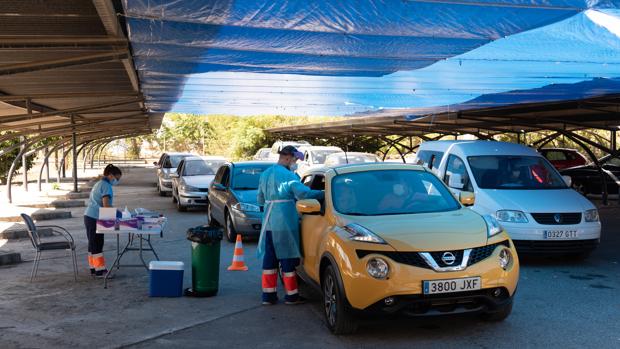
x,y
553,149
177,153
480,147
251,163
370,166
318,147
195,157
351,153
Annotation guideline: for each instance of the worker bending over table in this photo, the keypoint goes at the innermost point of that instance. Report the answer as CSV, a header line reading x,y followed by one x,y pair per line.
x,y
101,195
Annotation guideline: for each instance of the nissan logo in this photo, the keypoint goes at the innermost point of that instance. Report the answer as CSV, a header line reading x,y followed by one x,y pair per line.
x,y
448,258
557,218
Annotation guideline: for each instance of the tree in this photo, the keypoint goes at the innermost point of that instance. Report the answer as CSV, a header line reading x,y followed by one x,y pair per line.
x,y
7,159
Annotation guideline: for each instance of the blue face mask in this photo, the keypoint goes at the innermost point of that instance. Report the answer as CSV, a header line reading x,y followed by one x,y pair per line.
x,y
114,181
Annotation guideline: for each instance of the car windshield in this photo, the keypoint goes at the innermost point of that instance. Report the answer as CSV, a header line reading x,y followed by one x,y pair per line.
x,y
246,177
319,156
173,161
514,172
390,192
350,159
201,167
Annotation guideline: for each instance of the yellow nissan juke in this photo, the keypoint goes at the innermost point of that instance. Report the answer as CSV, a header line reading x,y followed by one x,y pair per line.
x,y
391,238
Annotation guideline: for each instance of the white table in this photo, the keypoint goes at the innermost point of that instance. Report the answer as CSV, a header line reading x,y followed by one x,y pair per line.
x,y
142,236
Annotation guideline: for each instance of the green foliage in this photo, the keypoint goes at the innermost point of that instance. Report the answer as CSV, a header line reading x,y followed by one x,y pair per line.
x,y
7,159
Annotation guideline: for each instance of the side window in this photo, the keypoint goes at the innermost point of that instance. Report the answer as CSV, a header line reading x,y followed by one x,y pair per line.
x,y
555,155
226,176
166,162
307,180
180,167
318,183
219,175
426,157
161,158
456,169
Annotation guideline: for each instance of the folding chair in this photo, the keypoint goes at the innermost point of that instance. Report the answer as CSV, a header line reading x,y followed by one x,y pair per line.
x,y
39,246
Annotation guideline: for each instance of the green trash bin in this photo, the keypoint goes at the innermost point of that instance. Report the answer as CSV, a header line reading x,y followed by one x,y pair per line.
x,y
205,260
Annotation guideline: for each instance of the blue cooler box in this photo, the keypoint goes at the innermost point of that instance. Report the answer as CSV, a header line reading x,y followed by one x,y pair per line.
x,y
166,279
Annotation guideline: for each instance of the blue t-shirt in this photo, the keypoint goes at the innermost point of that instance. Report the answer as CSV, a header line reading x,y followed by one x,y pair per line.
x,y
95,201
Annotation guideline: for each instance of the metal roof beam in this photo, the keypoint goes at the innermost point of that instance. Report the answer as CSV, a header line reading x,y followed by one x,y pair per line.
x,y
45,41
63,62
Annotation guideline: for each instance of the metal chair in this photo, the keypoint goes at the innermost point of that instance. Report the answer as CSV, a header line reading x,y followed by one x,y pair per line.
x,y
39,246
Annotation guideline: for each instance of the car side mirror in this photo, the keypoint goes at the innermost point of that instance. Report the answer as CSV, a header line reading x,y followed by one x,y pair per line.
x,y
467,198
568,180
174,175
308,206
219,187
456,181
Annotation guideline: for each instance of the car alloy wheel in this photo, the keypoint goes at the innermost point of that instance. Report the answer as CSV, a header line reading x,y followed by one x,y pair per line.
x,y
337,312
231,234
329,295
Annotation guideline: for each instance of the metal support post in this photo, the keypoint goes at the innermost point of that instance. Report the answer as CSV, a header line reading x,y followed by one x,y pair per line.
x,y
74,156
62,163
24,165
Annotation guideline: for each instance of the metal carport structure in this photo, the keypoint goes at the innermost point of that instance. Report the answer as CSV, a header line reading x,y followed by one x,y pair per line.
x,y
67,75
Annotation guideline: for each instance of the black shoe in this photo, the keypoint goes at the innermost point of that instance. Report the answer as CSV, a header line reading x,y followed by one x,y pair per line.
x,y
100,274
299,300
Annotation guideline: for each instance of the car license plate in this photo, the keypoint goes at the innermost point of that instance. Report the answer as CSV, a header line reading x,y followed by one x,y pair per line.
x,y
452,285
559,234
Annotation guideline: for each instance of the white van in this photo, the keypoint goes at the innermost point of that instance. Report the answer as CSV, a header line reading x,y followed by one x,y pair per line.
x,y
520,188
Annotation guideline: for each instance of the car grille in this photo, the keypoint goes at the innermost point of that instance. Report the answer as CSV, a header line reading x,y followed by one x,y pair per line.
x,y
479,253
555,247
167,185
204,190
476,255
550,218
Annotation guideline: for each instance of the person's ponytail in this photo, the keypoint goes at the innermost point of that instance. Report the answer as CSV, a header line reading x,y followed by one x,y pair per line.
x,y
112,170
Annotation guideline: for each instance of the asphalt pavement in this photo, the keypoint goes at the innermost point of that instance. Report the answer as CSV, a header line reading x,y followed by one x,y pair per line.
x,y
560,303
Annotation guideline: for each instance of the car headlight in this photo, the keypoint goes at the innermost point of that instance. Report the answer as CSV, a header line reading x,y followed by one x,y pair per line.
x,y
511,216
377,268
359,233
189,188
493,227
591,215
505,258
240,206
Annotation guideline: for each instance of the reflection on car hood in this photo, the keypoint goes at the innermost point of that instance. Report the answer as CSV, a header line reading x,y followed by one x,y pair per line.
x,y
538,201
246,196
199,181
440,231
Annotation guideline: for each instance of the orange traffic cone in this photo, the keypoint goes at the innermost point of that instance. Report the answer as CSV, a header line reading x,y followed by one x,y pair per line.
x,y
238,262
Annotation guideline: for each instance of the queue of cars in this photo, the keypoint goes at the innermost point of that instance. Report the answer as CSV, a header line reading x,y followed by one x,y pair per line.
x,y
439,237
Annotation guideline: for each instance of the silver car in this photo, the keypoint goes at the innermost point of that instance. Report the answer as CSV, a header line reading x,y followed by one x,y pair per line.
x,y
190,183
232,198
166,165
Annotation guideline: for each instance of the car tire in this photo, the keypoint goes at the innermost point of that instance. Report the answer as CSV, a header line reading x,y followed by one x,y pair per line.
x,y
499,315
174,198
229,228
212,222
338,316
180,206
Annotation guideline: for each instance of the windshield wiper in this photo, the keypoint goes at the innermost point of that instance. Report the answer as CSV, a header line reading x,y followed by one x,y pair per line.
x,y
244,188
356,214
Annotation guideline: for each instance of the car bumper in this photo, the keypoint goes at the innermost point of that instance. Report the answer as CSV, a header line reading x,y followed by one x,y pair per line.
x,y
531,238
165,185
482,301
193,198
247,223
406,281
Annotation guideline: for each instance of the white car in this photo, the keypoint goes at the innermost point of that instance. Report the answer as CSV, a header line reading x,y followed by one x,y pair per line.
x,y
278,145
314,157
190,183
167,165
262,154
350,158
522,190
